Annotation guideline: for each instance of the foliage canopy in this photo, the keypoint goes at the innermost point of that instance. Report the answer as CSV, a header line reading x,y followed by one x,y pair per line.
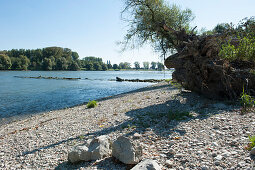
x,y
155,22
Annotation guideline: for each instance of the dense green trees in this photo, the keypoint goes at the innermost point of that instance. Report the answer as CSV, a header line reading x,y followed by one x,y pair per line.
x,y
124,65
93,64
5,62
56,58
50,58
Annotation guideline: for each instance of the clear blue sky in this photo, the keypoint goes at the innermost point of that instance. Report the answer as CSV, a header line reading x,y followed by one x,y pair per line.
x,y
92,27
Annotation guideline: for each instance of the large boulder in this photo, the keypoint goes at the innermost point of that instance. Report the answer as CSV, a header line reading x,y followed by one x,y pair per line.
x,y
99,148
147,164
78,153
127,151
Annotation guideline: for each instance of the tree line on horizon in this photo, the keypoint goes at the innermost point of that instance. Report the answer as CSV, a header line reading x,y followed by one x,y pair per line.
x,y
57,58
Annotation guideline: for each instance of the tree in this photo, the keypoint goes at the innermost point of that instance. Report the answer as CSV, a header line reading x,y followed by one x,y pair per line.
x,y
221,28
5,62
47,64
97,66
75,56
124,65
104,67
109,66
25,62
89,66
137,65
115,66
61,64
146,65
160,66
158,23
153,65
74,66
127,65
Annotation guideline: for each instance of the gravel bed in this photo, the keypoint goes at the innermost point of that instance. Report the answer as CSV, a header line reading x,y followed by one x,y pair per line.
x,y
213,138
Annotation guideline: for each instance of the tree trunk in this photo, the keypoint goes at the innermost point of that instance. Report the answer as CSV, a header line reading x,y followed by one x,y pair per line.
x,y
199,68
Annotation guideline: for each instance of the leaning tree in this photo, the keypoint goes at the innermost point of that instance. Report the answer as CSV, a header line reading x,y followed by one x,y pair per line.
x,y
219,65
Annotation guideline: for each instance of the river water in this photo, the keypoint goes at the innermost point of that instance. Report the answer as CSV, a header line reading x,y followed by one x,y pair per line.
x,y
26,96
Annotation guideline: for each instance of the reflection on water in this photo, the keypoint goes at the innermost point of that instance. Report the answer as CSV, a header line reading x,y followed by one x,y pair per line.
x,y
19,96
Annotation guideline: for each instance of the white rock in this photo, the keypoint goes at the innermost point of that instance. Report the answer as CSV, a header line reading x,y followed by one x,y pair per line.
x,y
137,136
99,148
147,164
215,144
218,158
126,151
77,154
169,163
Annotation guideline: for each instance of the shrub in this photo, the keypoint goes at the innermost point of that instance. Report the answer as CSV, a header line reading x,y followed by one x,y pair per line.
x,y
244,51
251,144
92,104
178,115
247,102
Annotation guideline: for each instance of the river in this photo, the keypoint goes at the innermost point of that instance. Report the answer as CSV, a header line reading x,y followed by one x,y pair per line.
x,y
26,96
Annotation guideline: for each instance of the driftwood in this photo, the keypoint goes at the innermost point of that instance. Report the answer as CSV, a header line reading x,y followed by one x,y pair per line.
x,y
56,78
199,68
138,80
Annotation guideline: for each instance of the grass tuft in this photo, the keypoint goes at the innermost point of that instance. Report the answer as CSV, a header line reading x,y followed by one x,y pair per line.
x,y
251,144
92,104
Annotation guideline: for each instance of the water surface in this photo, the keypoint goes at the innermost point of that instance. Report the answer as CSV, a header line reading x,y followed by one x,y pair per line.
x,y
25,96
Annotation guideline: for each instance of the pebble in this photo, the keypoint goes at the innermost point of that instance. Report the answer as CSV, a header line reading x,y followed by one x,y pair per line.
x,y
195,143
169,163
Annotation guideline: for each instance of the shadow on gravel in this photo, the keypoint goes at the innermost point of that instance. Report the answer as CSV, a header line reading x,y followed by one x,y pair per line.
x,y
100,165
153,119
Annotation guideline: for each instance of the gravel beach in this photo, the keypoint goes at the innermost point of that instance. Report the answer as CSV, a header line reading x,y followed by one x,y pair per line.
x,y
213,138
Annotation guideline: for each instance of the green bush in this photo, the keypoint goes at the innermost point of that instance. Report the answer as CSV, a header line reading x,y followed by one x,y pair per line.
x,y
244,51
247,102
92,104
178,115
251,144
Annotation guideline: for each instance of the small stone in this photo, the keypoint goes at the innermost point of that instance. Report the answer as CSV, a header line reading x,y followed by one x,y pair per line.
x,y
216,127
226,154
253,151
247,160
169,163
218,158
234,153
215,144
241,164
205,168
163,155
217,163
137,136
171,151
214,154
178,155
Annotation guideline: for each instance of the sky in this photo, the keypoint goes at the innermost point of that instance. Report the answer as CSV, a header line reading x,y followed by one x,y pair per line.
x,y
93,27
